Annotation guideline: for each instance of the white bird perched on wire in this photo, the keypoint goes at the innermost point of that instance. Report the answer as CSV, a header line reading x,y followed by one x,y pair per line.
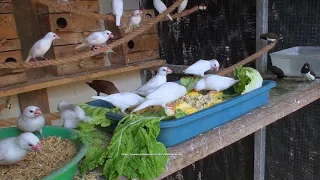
x,y
160,7
15,149
134,20
213,82
41,47
123,100
71,115
117,9
164,94
31,120
96,39
154,82
202,66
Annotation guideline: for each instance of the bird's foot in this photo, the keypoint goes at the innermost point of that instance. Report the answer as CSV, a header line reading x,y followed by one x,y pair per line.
x,y
35,63
45,58
95,48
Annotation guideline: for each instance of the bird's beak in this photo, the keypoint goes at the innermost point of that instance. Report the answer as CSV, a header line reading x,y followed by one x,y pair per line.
x,y
217,68
169,71
37,147
140,12
111,36
57,37
37,113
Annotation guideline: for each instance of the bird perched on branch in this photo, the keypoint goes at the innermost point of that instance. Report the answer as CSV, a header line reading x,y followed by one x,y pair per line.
x,y
202,66
96,40
15,149
71,115
160,7
117,9
41,47
307,72
102,86
134,20
154,82
270,37
31,120
182,6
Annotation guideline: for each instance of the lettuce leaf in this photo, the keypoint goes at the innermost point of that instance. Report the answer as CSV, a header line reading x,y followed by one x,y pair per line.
x,y
136,135
249,80
189,82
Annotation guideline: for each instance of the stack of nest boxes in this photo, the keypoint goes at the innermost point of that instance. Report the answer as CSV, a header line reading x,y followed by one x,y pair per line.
x,y
142,48
10,47
72,29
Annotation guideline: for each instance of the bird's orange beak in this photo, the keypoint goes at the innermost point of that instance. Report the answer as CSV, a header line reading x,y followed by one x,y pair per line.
x,y
37,113
169,71
57,37
37,147
111,36
140,12
217,68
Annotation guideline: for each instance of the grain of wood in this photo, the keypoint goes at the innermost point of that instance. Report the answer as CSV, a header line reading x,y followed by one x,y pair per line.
x,y
13,79
6,8
141,56
16,55
10,45
8,29
89,6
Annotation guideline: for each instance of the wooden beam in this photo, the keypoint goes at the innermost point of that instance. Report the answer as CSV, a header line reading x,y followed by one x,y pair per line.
x,y
51,81
13,121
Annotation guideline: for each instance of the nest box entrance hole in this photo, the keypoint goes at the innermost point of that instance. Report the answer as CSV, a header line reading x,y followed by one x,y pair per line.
x,y
10,59
62,22
131,44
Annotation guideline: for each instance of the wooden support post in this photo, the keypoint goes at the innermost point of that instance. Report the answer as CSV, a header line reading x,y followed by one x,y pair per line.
x,y
261,66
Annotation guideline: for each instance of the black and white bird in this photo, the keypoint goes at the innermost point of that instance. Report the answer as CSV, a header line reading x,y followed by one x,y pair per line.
x,y
307,72
270,37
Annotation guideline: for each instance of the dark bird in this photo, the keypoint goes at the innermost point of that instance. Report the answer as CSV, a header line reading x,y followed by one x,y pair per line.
x,y
106,87
270,37
307,72
278,72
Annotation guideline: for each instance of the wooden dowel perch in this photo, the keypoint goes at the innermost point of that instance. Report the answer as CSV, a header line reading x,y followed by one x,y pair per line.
x,y
84,55
247,60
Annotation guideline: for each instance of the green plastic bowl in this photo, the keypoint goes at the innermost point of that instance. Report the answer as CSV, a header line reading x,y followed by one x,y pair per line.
x,y
67,171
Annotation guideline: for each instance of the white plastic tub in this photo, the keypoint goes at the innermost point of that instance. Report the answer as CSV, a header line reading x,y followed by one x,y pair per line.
x,y
291,60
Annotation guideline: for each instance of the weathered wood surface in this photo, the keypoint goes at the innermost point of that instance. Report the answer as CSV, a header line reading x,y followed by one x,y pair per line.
x,y
37,98
6,8
13,79
10,55
70,38
91,6
51,81
8,29
10,45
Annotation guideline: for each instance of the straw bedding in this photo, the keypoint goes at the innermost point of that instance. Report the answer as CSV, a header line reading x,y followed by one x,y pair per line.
x,y
55,153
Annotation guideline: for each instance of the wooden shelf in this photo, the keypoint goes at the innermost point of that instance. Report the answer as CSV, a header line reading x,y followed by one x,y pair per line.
x,y
51,81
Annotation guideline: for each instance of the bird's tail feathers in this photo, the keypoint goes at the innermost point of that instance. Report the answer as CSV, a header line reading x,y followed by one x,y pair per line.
x,y
144,105
118,20
169,17
28,59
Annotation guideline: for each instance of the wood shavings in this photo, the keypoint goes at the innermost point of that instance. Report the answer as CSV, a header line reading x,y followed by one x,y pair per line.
x,y
55,153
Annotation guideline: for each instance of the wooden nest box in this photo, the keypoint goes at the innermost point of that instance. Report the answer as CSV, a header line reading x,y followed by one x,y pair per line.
x,y
72,29
10,47
142,48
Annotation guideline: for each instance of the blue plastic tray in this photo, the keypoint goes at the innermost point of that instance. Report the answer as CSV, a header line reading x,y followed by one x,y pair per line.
x,y
176,131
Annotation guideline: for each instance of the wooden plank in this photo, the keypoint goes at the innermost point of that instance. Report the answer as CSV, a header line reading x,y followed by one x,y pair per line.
x,y
91,6
120,32
13,121
141,56
13,79
67,22
10,45
10,55
35,98
5,72
8,1
70,38
51,81
6,8
8,29
141,43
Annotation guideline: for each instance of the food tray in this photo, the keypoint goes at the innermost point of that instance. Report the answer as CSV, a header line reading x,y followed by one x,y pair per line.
x,y
291,60
176,131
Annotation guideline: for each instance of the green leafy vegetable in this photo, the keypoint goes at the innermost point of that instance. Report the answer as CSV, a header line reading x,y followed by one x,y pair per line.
x,y
249,80
134,151
189,82
179,114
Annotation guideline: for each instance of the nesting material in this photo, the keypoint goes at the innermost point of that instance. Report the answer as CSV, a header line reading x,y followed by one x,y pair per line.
x,y
55,153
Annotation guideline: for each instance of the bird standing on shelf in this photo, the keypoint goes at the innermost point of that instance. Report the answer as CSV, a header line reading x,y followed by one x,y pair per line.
x,y
102,86
96,39
117,9
71,115
307,72
122,100
31,120
202,66
134,20
160,7
15,149
41,47
270,37
154,82
278,72
164,94
214,83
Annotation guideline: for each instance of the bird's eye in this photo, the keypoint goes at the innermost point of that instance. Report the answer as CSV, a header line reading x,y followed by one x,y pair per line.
x,y
108,33
30,144
31,111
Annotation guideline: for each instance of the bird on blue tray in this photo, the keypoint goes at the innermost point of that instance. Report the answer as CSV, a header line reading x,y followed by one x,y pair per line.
x,y
15,149
202,66
307,72
215,83
270,37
